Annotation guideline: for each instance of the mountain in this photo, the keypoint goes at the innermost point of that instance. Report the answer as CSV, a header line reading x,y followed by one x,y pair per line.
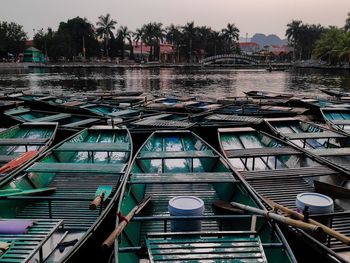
x,y
264,40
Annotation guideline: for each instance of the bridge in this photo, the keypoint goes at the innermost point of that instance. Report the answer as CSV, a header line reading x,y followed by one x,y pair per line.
x,y
230,57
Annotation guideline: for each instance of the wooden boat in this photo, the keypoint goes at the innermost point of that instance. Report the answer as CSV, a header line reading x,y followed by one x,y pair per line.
x,y
318,140
22,143
56,192
279,172
338,118
257,94
179,163
335,93
66,120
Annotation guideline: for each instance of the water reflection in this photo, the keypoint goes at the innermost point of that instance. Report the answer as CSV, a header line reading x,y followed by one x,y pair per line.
x,y
205,82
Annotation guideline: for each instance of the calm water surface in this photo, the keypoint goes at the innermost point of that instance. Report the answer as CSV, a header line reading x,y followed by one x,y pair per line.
x,y
200,82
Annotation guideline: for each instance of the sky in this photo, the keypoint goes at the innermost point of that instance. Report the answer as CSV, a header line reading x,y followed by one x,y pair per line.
x,y
250,16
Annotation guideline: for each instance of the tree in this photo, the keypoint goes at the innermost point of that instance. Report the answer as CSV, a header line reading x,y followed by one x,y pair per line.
x,y
105,26
139,36
231,34
347,23
12,39
293,34
124,33
189,33
173,36
153,36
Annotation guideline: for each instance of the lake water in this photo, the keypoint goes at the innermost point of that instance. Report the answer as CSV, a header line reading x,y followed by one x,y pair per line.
x,y
204,82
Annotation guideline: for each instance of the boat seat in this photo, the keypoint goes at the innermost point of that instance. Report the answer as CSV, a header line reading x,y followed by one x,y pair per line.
x,y
341,122
312,135
122,112
23,141
163,123
176,155
100,168
257,152
81,123
331,151
24,247
54,117
93,147
187,249
226,117
178,178
288,173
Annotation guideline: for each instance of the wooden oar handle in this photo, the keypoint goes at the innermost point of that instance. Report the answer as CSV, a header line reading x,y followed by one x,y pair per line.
x,y
112,237
97,201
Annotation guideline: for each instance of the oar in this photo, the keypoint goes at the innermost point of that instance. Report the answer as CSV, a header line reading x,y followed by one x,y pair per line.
x,y
223,205
102,193
18,161
278,218
110,240
326,229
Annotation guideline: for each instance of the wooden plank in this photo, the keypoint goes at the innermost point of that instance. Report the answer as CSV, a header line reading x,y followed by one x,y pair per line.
x,y
176,154
81,123
93,147
331,151
340,122
235,118
163,123
99,168
312,135
54,117
257,152
23,141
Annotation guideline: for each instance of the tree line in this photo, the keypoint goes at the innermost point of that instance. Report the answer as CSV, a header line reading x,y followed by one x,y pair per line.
x,y
331,44
78,37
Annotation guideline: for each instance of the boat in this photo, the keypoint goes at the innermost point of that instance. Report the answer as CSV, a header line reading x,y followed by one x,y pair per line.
x,y
279,172
177,164
316,139
67,197
335,93
66,120
257,94
337,118
22,143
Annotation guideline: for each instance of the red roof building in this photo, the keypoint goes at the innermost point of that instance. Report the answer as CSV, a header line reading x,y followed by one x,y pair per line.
x,y
249,47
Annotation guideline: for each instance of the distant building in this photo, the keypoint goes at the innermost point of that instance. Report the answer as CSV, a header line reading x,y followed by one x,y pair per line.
x,y
167,51
280,50
33,55
249,47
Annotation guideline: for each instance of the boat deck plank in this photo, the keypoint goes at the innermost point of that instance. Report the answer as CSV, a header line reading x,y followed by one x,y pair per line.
x,y
313,135
257,152
94,147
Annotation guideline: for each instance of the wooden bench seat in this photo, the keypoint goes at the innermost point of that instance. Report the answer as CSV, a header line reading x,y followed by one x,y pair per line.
x,y
81,123
178,178
331,151
288,173
54,117
176,155
23,141
93,147
341,122
312,135
257,152
100,168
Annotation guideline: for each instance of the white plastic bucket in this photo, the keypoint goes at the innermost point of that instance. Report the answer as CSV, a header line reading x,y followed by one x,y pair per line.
x,y
318,204
186,206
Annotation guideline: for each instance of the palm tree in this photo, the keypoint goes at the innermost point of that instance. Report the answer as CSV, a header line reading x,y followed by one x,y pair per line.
x,y
189,31
347,23
173,36
124,33
153,35
139,36
231,34
105,26
293,33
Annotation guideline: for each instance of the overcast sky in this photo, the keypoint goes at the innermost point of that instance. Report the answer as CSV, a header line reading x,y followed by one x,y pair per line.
x,y
250,16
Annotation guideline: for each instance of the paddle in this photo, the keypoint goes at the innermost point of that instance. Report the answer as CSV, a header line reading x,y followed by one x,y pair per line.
x,y
110,240
223,205
4,245
18,161
326,229
102,193
279,218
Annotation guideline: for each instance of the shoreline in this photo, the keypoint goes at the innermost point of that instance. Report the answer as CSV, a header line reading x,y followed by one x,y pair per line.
x,y
166,65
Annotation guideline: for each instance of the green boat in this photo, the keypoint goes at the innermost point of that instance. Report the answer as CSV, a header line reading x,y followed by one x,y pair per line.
x,y
67,197
66,120
21,143
337,118
179,163
318,140
279,171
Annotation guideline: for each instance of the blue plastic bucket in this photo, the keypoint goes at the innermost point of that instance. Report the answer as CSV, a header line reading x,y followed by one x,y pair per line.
x,y
186,206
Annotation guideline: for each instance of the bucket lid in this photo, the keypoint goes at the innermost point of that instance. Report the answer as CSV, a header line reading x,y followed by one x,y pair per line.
x,y
315,201
186,205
